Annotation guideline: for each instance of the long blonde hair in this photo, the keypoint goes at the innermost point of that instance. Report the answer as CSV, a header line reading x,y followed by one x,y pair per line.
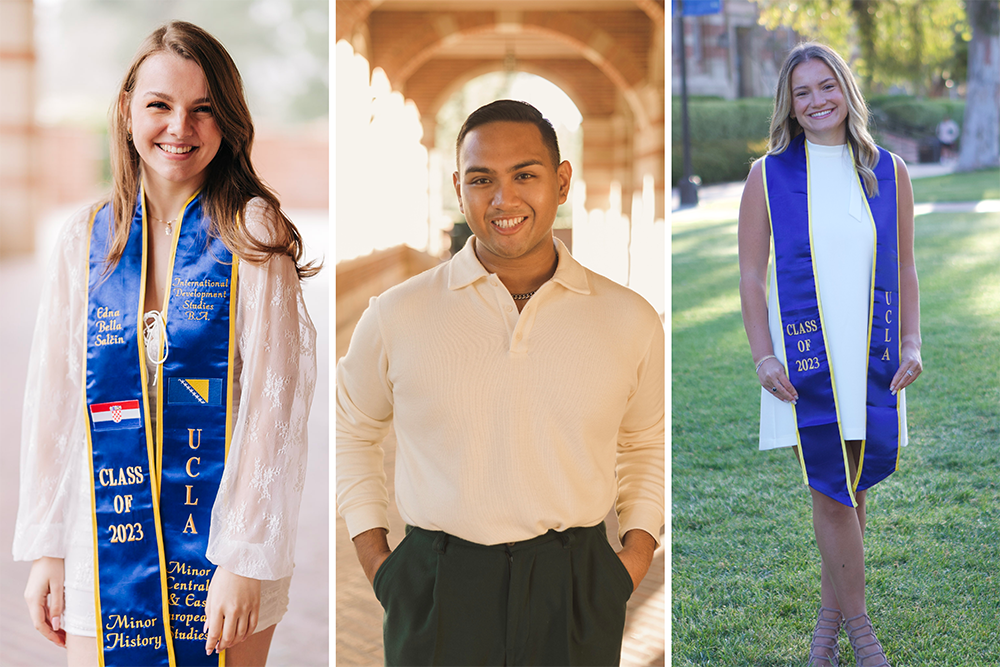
x,y
784,127
231,180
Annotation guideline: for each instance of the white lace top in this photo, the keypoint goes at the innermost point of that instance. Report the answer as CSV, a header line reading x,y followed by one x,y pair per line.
x,y
255,514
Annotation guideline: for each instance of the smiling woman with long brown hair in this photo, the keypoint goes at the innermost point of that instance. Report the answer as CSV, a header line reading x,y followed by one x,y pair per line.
x,y
162,473
835,331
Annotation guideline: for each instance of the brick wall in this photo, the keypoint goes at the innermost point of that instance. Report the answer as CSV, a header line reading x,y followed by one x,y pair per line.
x,y
296,165
364,277
18,170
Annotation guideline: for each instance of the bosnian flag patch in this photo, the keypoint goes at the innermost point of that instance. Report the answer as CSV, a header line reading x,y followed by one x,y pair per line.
x,y
195,391
115,415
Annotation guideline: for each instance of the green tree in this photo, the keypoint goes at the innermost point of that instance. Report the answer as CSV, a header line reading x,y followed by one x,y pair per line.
x,y
886,41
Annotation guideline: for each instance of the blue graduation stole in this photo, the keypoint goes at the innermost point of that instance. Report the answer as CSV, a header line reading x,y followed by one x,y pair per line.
x,y
822,451
152,512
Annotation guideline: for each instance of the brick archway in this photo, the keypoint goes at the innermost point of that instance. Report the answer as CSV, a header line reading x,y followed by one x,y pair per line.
x,y
618,67
607,55
475,70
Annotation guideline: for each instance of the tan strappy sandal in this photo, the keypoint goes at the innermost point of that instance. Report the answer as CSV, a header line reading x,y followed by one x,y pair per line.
x,y
864,642
824,650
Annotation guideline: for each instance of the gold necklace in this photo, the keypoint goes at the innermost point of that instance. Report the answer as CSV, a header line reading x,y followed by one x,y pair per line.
x,y
168,223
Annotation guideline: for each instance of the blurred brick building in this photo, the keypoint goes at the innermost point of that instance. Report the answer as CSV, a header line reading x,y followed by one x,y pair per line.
x,y
728,54
19,171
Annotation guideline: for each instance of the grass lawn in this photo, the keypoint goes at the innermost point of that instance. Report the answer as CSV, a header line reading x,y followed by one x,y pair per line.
x,y
745,565
984,184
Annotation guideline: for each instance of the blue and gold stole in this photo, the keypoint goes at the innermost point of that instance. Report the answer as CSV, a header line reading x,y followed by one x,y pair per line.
x,y
152,492
822,451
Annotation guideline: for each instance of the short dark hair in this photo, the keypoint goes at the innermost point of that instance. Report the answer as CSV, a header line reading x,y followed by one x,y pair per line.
x,y
513,111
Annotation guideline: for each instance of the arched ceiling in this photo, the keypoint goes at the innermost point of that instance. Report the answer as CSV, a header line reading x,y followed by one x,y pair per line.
x,y
424,46
359,9
654,8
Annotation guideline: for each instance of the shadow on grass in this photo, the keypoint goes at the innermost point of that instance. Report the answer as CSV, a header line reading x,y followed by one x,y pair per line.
x,y
766,661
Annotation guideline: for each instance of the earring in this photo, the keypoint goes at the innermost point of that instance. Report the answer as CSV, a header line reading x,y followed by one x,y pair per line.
x,y
128,134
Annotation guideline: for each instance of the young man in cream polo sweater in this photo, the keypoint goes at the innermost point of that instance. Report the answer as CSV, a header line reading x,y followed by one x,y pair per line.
x,y
527,397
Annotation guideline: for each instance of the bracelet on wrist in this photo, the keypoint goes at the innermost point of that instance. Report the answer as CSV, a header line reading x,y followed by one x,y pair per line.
x,y
763,359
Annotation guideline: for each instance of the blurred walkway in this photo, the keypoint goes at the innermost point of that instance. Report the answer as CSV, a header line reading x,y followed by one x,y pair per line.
x,y
302,638
722,201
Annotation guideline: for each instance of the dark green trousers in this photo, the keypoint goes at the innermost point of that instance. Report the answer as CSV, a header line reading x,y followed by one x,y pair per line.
x,y
558,599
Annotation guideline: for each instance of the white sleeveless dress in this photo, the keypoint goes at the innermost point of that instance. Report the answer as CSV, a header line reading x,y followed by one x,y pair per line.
x,y
843,245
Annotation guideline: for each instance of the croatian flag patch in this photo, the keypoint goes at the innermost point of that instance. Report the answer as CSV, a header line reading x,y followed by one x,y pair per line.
x,y
115,415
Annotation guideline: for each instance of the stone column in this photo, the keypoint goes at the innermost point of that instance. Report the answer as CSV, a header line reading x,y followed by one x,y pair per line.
x,y
606,155
19,144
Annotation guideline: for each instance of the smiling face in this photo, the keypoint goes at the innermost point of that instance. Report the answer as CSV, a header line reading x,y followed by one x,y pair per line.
x,y
818,103
509,190
172,124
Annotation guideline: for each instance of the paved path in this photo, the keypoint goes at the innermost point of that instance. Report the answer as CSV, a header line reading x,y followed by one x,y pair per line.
x,y
721,202
302,638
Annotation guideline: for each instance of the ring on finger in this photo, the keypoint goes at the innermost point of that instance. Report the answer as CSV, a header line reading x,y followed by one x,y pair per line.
x,y
774,389
909,373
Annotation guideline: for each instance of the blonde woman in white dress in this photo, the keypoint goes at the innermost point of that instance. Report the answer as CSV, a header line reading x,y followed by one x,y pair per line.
x,y
835,330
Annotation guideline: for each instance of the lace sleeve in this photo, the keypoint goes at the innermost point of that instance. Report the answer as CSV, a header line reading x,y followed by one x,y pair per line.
x,y
255,516
53,438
